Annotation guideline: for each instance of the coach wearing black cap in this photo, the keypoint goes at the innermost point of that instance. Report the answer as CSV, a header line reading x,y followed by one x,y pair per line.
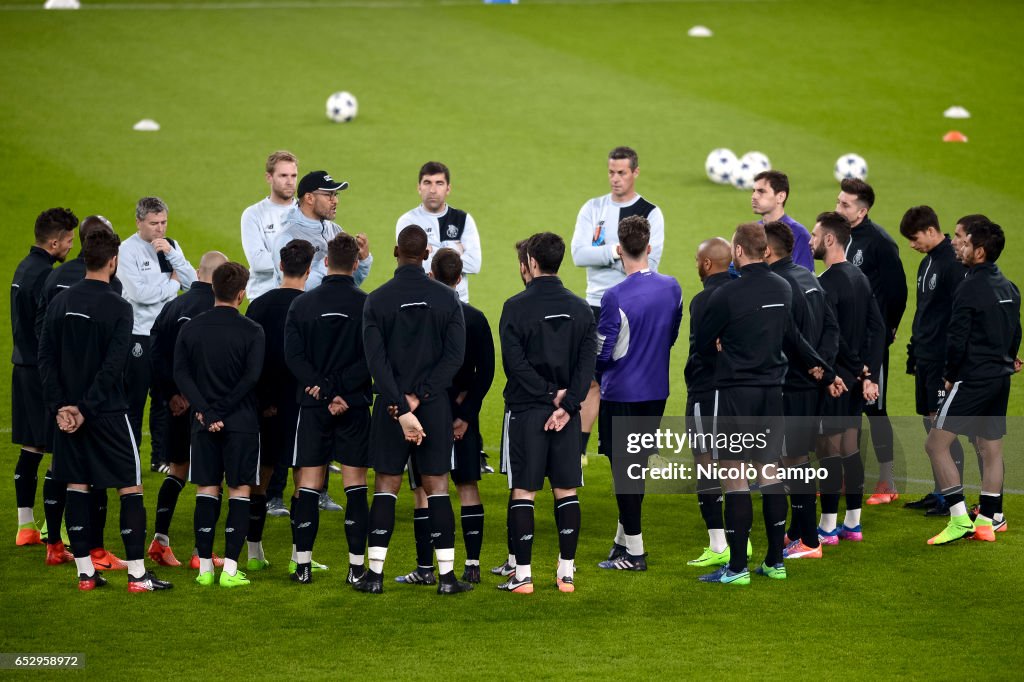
x,y
312,220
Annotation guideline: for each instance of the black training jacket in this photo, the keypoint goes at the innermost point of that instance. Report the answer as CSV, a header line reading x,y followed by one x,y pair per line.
x,y
814,318
938,277
751,316
861,330
477,371
164,334
323,343
276,387
26,292
83,350
217,362
414,337
984,328
548,342
876,254
699,372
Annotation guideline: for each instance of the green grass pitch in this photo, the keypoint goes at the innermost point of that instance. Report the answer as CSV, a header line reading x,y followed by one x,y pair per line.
x,y
523,104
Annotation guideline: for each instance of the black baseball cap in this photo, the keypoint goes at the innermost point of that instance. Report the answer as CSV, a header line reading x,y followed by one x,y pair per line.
x,y
319,180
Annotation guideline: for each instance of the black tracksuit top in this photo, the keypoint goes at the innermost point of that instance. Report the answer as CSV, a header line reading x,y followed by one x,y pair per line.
x,y
876,254
861,330
277,383
477,371
217,361
984,329
164,334
751,316
548,342
323,343
83,349
26,294
414,337
938,277
699,372
814,318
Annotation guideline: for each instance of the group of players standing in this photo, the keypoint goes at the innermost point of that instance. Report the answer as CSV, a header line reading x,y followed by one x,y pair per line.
x,y
239,399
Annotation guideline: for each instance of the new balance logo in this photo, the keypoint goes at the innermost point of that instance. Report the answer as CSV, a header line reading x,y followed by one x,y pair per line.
x,y
305,524
378,531
229,530
49,501
205,530
566,531
76,528
526,537
349,522
161,509
435,535
126,531
473,532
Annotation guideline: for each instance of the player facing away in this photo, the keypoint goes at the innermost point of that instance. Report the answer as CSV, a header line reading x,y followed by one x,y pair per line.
x,y
54,236
749,318
713,258
637,327
414,336
801,396
858,362
264,220
548,351
445,225
938,276
466,394
593,247
983,341
323,346
82,354
217,362
55,495
876,254
178,435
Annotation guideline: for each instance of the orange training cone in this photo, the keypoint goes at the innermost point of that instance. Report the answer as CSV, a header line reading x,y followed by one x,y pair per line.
x,y
954,136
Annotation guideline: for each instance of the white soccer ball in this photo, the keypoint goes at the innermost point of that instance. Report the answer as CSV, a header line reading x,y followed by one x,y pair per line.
x,y
342,107
720,165
757,160
850,166
743,174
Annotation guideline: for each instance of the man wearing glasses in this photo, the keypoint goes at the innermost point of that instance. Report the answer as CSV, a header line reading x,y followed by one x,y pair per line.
x,y
313,221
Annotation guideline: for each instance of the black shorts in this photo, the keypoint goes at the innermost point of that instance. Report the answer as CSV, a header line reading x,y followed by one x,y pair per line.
x,y
535,454
466,459
179,438
277,436
617,420
929,387
321,438
976,408
102,453
391,451
229,456
802,410
32,425
701,419
750,424
842,413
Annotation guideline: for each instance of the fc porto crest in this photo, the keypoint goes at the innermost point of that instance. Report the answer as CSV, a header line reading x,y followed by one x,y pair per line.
x,y
858,258
452,232
932,282
137,350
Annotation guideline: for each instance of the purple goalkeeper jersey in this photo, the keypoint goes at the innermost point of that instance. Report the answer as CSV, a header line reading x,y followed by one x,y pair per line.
x,y
638,325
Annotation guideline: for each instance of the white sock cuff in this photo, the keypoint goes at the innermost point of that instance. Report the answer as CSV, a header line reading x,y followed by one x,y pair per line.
x,y
377,553
447,554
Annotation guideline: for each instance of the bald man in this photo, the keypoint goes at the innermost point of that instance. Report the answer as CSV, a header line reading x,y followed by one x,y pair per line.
x,y
713,258
177,436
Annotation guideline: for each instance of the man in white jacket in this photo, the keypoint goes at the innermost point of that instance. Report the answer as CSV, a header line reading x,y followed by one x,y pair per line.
x,y
595,242
153,269
264,221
